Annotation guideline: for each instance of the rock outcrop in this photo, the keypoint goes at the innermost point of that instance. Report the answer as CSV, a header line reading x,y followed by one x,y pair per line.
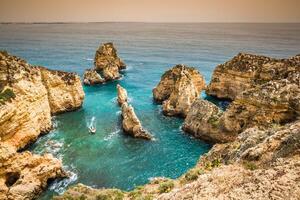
x,y
130,122
178,89
29,95
246,71
107,65
122,95
91,77
203,121
24,175
265,106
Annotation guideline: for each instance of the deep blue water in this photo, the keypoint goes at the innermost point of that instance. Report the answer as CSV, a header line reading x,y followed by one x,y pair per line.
x,y
108,158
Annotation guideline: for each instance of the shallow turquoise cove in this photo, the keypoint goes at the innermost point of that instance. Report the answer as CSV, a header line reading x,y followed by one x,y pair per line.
x,y
109,158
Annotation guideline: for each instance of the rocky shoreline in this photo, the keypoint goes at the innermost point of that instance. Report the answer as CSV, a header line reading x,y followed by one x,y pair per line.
x,y
30,95
257,138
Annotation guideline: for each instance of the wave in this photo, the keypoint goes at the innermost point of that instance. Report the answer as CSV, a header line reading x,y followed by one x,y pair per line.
x,y
59,186
88,59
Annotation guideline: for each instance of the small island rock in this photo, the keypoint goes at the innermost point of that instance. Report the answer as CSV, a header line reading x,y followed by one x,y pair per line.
x,y
178,89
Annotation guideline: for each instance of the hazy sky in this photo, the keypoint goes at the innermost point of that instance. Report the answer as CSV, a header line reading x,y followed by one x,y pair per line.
x,y
150,10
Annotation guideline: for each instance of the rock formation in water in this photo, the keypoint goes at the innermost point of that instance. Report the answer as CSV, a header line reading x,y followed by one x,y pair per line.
x,y
107,65
178,88
130,122
246,71
91,77
28,97
122,95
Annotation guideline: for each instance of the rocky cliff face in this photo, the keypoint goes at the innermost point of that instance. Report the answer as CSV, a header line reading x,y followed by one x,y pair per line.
x,y
178,89
246,71
130,122
28,97
107,65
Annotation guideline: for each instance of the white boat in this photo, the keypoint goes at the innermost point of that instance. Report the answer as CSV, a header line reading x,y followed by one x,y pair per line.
x,y
92,130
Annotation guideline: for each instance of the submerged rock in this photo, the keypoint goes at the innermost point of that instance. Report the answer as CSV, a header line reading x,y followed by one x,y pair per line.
x,y
29,95
91,77
178,89
130,122
246,71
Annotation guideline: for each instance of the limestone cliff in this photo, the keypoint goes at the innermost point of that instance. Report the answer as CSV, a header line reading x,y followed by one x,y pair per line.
x,y
178,89
107,65
245,71
130,122
29,95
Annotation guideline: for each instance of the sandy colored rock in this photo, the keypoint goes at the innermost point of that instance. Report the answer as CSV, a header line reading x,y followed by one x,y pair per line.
x,y
131,124
203,121
24,175
28,97
65,92
91,77
178,89
37,93
107,62
122,95
246,71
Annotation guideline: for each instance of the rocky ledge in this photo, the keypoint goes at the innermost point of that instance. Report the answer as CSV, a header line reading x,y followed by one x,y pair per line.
x,y
178,89
107,66
130,122
29,95
246,71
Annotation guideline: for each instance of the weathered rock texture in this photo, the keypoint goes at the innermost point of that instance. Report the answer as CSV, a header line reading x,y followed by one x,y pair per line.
x,y
24,175
28,97
38,93
91,77
178,89
107,65
271,104
130,122
246,71
257,165
203,121
122,95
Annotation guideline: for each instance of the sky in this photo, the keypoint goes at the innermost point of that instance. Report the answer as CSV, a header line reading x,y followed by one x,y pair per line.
x,y
149,11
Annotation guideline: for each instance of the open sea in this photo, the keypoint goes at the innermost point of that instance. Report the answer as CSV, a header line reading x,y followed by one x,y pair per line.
x,y
109,158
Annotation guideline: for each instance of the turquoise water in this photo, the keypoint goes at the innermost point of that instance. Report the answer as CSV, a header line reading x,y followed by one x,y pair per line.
x,y
109,158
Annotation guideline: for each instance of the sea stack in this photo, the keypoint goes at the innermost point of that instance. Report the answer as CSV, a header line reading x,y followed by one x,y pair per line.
x,y
107,66
178,88
130,122
29,96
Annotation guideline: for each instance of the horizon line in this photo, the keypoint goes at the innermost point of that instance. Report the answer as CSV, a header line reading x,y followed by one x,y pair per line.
x,y
147,22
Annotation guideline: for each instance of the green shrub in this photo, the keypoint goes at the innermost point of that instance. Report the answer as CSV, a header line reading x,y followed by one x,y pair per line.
x,y
250,165
110,195
166,187
6,95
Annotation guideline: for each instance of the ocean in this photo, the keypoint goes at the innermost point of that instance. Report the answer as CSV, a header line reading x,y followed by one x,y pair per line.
x,y
109,158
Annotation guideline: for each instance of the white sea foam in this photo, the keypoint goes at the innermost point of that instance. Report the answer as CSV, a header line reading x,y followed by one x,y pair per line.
x,y
111,135
60,186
